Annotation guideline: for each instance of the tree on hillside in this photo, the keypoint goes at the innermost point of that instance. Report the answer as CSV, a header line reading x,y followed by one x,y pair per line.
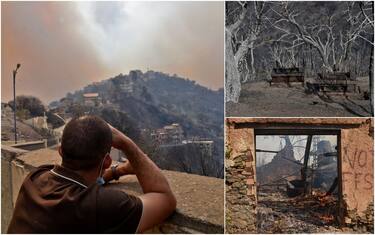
x,y
28,106
77,109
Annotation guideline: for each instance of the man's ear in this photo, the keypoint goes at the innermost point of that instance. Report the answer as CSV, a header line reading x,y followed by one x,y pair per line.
x,y
60,151
107,161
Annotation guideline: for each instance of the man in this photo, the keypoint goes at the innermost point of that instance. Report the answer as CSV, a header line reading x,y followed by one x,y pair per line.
x,y
73,197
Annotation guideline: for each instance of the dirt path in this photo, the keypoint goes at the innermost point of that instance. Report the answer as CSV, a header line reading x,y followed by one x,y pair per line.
x,y
259,99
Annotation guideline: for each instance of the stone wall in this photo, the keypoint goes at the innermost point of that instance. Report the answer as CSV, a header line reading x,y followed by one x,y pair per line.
x,y
8,154
356,168
240,181
200,199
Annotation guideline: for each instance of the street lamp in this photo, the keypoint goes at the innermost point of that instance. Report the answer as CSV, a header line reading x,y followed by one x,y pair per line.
x,y
14,102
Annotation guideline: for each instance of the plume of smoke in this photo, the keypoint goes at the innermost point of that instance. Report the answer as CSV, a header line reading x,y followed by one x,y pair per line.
x,y
43,37
63,46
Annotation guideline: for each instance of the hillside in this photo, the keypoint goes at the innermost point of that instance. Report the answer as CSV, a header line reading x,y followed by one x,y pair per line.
x,y
140,103
156,99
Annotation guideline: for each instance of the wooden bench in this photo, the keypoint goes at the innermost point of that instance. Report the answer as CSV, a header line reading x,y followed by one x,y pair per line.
x,y
287,75
336,81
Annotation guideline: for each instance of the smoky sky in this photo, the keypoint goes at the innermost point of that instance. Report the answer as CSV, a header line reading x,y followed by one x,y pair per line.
x,y
63,46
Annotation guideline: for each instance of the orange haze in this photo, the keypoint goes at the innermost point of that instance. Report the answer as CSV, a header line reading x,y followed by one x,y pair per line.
x,y
58,55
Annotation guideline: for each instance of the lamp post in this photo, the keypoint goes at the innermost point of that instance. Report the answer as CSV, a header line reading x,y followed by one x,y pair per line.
x,y
14,102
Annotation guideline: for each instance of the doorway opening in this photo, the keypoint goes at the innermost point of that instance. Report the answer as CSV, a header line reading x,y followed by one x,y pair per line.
x,y
298,180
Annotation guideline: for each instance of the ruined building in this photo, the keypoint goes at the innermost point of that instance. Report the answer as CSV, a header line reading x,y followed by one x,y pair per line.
x,y
353,158
168,135
92,99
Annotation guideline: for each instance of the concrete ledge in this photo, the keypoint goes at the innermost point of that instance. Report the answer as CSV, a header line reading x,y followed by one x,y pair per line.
x,y
200,199
32,145
9,152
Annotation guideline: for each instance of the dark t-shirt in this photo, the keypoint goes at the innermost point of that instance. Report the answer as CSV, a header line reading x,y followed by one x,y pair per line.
x,y
51,202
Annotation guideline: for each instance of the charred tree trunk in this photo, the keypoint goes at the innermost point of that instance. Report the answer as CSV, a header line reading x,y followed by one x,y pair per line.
x,y
311,61
252,72
371,77
232,74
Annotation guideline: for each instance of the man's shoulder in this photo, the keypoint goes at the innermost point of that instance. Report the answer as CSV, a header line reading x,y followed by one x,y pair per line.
x,y
45,167
40,169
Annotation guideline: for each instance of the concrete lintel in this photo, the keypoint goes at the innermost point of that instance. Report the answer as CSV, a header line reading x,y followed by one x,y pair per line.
x,y
296,126
298,121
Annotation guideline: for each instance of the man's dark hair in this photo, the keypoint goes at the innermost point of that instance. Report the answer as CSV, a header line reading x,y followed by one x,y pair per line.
x,y
85,141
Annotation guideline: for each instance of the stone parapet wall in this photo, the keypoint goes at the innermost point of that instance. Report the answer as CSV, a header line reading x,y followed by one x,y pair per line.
x,y
200,199
8,154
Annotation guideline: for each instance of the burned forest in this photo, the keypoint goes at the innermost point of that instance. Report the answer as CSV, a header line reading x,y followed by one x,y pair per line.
x,y
315,56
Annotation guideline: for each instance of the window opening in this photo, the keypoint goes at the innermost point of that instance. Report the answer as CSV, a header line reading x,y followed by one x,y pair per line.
x,y
297,182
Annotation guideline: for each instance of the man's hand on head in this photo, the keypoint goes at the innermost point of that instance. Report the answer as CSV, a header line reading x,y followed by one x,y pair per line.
x,y
158,199
118,138
122,142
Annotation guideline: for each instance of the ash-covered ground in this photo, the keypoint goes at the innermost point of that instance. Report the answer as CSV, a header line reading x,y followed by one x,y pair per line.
x,y
259,99
314,213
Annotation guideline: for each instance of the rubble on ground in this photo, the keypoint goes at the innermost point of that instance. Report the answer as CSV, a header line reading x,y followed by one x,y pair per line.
x,y
314,213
